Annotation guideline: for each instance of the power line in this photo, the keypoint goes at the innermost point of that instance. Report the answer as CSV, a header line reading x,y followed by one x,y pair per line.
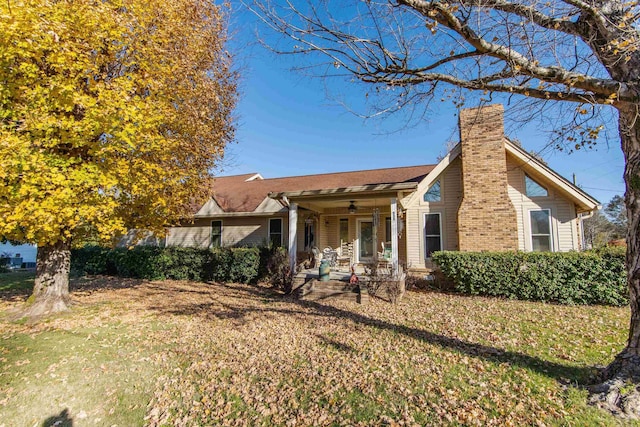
x,y
601,189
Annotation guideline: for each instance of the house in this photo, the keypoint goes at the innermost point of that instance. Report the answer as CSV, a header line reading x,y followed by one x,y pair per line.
x,y
487,194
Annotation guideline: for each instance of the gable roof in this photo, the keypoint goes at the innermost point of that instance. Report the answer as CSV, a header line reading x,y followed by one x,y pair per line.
x,y
583,201
240,193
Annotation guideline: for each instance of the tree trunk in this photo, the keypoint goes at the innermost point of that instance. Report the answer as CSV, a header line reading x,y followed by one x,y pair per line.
x,y
51,289
630,136
615,394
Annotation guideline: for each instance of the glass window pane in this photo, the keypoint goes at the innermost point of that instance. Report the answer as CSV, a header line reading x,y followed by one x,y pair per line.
x,y
540,222
309,235
275,231
432,234
433,244
276,225
432,225
366,239
216,234
541,243
533,189
433,193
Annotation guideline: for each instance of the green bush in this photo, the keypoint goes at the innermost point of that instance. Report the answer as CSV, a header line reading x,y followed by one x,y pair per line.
x,y
155,263
92,260
592,277
187,263
245,265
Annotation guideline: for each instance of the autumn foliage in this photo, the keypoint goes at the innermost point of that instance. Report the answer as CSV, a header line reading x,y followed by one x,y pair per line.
x,y
112,116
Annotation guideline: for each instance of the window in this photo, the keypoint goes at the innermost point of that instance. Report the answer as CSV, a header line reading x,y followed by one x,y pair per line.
x,y
309,234
344,230
432,234
275,232
540,230
365,240
433,193
533,189
216,234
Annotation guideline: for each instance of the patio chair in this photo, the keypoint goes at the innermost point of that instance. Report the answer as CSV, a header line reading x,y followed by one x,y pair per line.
x,y
345,254
330,255
316,257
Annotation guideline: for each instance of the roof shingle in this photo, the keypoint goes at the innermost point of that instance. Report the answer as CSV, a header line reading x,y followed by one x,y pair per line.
x,y
236,194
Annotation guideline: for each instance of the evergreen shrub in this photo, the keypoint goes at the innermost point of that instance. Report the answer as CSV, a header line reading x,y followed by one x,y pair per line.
x,y
591,277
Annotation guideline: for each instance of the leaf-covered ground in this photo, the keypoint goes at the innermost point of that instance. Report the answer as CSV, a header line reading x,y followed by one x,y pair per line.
x,y
185,354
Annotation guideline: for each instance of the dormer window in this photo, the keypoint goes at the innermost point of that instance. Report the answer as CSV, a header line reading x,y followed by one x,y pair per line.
x,y
533,189
433,193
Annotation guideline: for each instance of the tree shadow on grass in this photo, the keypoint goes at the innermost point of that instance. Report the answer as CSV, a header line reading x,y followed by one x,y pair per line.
x,y
61,420
244,312
21,287
560,372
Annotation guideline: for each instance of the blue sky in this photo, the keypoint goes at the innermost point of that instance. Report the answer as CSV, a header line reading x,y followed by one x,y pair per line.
x,y
288,126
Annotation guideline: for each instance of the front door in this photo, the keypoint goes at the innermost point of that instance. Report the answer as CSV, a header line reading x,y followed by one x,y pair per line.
x,y
365,241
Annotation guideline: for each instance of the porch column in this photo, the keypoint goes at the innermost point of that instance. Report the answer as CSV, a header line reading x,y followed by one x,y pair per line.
x,y
293,229
394,235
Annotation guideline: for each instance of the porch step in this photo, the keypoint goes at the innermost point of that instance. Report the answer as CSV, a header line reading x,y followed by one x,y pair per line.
x,y
300,279
314,290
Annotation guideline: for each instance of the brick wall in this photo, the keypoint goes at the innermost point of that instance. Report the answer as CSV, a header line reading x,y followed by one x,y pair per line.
x,y
486,217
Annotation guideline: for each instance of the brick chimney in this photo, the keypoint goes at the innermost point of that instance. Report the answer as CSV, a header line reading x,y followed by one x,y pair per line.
x,y
486,218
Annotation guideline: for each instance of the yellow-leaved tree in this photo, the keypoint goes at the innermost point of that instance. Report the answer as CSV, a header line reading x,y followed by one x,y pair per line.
x,y
112,115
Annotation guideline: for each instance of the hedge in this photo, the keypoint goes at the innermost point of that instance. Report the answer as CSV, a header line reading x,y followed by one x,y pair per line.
x,y
592,277
242,265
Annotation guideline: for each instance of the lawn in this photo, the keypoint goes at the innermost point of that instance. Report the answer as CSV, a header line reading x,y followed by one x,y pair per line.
x,y
178,353
16,282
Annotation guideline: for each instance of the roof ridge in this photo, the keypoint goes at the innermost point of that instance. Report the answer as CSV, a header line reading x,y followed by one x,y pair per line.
x,y
339,173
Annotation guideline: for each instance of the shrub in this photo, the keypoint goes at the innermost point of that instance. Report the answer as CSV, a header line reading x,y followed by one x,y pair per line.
x,y
593,277
275,268
244,265
155,263
91,260
187,263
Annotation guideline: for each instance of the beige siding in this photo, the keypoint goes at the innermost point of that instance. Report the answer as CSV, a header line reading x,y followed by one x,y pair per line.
x,y
196,235
451,191
329,232
565,215
515,187
240,231
452,194
245,231
563,212
413,225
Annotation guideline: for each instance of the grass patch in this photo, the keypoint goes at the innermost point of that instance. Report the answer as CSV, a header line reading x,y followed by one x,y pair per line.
x,y
99,375
17,281
179,353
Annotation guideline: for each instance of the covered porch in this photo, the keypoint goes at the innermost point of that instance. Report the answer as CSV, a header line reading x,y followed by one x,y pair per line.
x,y
352,227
